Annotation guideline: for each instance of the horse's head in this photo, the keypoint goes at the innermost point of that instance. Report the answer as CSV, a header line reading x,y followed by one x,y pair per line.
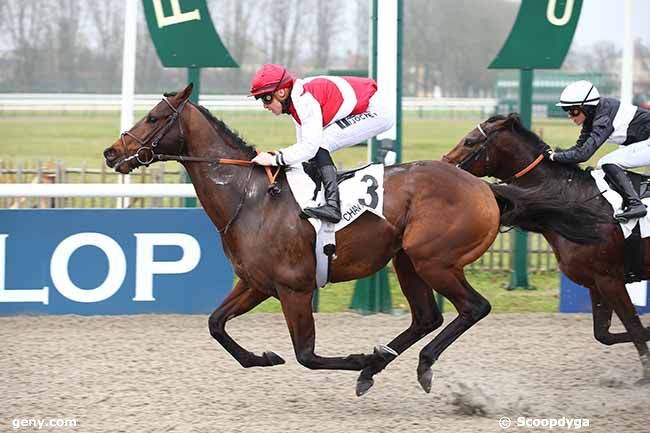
x,y
501,147
159,132
475,151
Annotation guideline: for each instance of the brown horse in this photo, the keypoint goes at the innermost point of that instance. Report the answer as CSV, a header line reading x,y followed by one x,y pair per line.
x,y
503,148
437,220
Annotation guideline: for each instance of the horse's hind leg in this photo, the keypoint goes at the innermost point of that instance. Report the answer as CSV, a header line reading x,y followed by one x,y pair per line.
x,y
240,300
297,309
425,317
616,294
602,316
471,307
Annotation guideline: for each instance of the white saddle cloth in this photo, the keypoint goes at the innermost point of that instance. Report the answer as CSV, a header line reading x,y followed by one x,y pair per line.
x,y
616,201
363,192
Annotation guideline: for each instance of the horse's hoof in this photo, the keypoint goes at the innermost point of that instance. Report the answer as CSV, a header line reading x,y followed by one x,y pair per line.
x,y
386,353
363,385
643,382
425,377
272,358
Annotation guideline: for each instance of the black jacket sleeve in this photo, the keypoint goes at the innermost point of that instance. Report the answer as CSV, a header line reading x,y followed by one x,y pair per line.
x,y
589,141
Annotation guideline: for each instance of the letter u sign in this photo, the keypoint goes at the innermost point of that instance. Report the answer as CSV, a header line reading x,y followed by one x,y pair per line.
x,y
552,17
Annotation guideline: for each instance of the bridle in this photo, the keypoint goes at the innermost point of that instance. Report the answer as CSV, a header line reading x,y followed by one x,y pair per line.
x,y
146,155
477,152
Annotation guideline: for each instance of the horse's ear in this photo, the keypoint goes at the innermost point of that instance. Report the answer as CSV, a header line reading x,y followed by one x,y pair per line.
x,y
186,92
513,119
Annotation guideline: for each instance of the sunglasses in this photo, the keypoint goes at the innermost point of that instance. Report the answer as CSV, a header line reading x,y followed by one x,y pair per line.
x,y
573,112
266,98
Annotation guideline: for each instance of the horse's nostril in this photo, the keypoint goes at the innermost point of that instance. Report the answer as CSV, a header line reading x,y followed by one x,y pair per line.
x,y
109,153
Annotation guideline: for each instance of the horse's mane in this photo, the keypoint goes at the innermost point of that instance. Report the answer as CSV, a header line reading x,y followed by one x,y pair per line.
x,y
220,126
569,183
533,140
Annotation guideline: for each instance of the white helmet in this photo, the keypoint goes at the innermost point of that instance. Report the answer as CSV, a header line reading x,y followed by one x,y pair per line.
x,y
579,93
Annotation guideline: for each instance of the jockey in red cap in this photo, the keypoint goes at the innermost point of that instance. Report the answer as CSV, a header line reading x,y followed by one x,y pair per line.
x,y
329,113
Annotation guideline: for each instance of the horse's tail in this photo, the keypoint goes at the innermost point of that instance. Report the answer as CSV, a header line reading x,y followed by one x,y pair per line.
x,y
537,210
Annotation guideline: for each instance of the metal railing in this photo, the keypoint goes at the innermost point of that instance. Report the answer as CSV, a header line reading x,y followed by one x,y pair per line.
x,y
105,195
64,102
55,172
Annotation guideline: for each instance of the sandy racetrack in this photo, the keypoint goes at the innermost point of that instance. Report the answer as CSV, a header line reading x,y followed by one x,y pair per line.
x,y
164,373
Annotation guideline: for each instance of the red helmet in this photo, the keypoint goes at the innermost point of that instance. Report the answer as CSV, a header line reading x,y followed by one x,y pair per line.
x,y
269,79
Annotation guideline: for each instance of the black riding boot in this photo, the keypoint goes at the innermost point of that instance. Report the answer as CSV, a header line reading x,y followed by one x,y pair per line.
x,y
331,210
632,205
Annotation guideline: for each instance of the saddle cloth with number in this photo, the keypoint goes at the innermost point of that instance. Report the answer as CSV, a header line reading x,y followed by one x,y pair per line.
x,y
360,191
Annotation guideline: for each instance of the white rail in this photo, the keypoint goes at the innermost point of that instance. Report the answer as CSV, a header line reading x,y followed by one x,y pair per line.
x,y
111,102
97,190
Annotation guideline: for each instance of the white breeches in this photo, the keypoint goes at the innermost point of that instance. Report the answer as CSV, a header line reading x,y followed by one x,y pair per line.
x,y
357,128
631,156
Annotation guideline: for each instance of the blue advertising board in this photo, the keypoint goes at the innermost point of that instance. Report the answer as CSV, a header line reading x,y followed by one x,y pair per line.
x,y
110,261
575,299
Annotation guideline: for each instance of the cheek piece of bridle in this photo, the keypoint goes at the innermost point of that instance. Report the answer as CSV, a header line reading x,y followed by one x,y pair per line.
x,y
146,153
476,153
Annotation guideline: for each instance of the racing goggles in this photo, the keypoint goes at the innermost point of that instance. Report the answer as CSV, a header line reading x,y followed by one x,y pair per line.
x,y
266,98
573,111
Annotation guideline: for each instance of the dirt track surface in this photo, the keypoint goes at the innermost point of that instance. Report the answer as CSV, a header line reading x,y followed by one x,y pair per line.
x,y
164,373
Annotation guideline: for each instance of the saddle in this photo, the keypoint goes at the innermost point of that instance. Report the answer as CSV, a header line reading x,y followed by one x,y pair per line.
x,y
633,248
311,169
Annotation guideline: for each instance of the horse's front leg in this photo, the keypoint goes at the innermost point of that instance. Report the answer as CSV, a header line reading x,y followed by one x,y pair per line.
x,y
240,300
297,310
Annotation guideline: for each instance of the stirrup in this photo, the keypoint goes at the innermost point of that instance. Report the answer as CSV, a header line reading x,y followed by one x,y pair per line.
x,y
326,212
632,212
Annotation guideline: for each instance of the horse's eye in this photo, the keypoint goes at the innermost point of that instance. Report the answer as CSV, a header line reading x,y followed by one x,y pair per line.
x,y
151,119
468,143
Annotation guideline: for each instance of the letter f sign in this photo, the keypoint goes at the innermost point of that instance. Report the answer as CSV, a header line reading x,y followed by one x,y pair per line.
x,y
176,17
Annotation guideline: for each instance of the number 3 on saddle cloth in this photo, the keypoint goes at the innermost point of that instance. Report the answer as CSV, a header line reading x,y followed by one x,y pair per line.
x,y
633,230
360,190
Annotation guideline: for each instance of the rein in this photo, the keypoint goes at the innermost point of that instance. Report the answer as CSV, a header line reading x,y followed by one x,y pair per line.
x,y
523,172
146,154
274,189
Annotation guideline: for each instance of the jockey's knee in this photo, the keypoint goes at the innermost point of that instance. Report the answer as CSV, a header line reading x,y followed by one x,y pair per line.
x,y
323,157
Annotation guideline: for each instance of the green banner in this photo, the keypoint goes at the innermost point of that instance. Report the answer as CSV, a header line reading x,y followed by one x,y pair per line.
x,y
184,36
541,35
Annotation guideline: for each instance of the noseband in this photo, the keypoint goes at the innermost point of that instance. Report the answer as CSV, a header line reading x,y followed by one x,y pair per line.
x,y
146,154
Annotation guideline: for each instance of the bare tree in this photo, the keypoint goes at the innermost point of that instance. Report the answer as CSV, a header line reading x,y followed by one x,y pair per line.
x,y
107,22
327,17
293,48
63,35
361,24
25,22
450,43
